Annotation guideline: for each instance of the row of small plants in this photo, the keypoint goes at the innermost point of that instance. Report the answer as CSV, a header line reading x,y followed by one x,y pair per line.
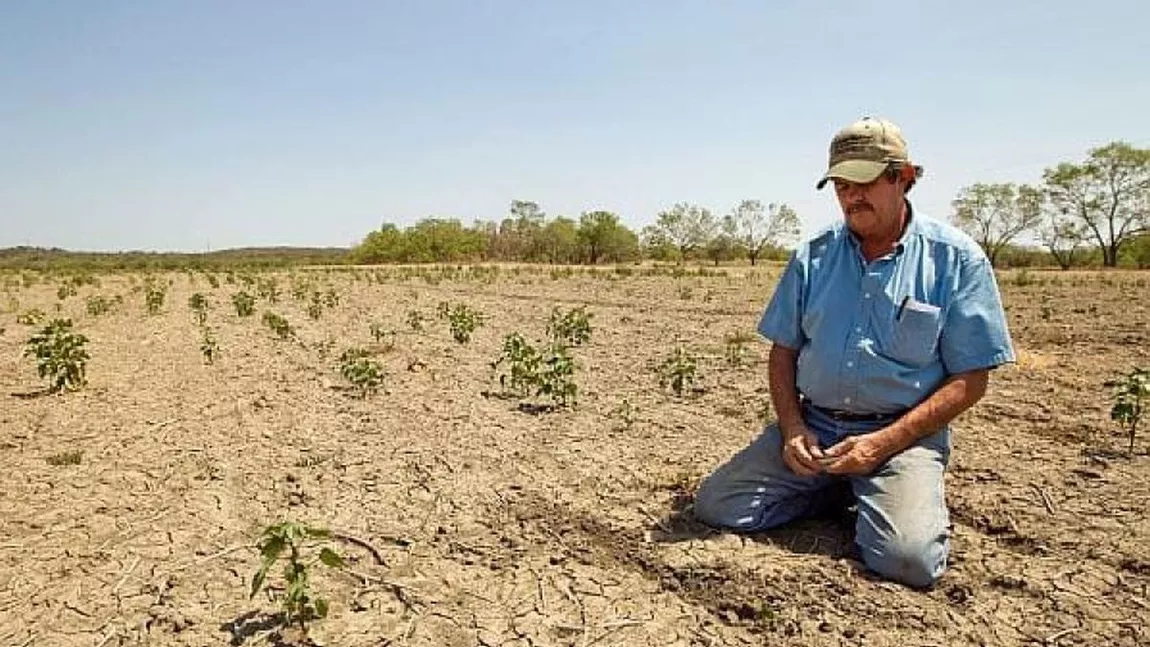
x,y
541,369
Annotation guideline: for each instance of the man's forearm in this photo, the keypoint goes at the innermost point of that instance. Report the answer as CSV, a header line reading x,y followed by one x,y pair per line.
x,y
957,394
781,367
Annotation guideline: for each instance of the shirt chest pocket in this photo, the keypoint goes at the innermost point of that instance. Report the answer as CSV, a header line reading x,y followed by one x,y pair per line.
x,y
913,333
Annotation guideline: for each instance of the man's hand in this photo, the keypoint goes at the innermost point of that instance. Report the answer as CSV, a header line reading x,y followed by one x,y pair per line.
x,y
855,455
801,451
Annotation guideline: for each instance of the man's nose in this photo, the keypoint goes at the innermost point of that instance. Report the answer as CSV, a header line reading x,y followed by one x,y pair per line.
x,y
854,191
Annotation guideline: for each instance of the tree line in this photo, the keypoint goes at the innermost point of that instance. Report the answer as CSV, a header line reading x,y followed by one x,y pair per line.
x,y
752,230
1096,209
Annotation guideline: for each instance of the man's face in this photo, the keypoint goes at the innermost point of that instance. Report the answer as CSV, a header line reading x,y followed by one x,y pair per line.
x,y
872,209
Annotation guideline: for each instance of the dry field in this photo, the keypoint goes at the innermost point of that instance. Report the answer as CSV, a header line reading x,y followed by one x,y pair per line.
x,y
496,526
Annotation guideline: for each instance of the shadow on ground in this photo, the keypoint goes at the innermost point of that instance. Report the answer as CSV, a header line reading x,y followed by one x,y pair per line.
x,y
830,533
247,625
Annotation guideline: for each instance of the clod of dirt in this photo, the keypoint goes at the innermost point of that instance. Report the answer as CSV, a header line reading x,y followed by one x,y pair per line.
x,y
1135,565
1010,582
160,616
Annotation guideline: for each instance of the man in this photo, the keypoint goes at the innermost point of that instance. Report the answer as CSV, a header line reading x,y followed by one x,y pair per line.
x,y
884,328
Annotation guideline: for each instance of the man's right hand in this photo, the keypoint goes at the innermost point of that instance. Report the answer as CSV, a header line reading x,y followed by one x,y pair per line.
x,y
801,451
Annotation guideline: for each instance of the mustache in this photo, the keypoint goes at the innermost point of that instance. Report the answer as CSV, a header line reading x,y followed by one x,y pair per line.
x,y
859,206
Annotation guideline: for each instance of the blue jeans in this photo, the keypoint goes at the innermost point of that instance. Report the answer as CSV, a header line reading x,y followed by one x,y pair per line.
x,y
903,525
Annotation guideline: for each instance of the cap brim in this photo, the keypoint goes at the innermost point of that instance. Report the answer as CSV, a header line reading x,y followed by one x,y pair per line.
x,y
857,171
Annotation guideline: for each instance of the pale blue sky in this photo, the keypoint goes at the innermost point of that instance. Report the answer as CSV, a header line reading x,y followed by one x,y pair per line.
x,y
175,125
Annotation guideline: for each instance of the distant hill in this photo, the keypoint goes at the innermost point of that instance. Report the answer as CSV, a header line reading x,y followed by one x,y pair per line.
x,y
40,258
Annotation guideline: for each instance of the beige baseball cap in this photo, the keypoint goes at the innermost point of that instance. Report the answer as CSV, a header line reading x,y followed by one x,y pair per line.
x,y
863,150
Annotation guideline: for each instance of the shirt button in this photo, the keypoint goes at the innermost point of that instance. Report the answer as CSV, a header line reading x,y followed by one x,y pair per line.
x,y
867,295
858,328
850,364
846,400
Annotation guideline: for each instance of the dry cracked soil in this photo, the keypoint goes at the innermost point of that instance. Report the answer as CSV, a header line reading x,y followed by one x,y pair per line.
x,y
130,508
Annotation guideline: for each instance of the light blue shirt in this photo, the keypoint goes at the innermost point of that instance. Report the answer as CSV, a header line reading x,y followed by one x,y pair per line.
x,y
880,337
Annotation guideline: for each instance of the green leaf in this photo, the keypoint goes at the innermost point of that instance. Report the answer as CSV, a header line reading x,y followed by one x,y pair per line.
x,y
273,546
258,580
330,558
320,608
297,589
318,533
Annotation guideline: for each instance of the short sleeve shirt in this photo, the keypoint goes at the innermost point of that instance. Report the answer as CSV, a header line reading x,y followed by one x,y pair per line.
x,y
880,337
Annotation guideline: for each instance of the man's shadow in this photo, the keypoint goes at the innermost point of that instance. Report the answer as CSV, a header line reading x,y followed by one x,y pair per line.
x,y
830,532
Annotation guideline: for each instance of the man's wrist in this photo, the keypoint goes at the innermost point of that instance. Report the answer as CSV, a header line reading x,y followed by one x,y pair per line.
x,y
791,427
893,439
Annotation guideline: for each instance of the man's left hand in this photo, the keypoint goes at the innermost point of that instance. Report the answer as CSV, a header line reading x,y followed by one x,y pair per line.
x,y
855,455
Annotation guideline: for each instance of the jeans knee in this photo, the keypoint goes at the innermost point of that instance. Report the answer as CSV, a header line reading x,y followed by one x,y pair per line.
x,y
918,563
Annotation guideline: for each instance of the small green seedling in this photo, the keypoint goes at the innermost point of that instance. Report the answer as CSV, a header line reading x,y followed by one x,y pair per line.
x,y
31,317
1131,397
209,347
244,303
679,371
736,347
555,376
300,604
279,325
267,289
571,328
364,373
300,289
522,360
534,372
199,304
60,355
625,412
382,335
462,319
324,348
416,319
154,295
315,306
98,305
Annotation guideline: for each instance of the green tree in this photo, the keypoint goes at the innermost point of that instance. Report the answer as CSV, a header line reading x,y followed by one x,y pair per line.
x,y
1138,251
528,223
757,227
686,226
603,237
1063,236
439,240
996,214
723,245
387,245
1109,193
560,241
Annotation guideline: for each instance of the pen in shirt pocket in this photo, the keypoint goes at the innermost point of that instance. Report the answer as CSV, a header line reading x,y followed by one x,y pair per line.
x,y
901,307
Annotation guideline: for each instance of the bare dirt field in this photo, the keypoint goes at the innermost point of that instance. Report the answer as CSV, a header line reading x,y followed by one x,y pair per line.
x,y
491,525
